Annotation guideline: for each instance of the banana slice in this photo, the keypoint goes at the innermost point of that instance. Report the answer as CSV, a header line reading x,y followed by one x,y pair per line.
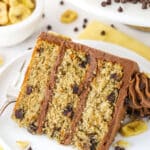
x,y
18,13
14,2
23,144
29,3
68,16
134,128
3,14
6,1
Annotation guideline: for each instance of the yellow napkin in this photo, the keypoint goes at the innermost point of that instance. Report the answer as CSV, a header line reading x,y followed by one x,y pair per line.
x,y
99,31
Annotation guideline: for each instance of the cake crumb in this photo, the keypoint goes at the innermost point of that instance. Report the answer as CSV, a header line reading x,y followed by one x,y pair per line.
x,y
23,144
122,143
103,32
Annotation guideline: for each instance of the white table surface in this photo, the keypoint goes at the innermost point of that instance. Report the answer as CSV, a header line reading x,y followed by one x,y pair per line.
x,y
53,10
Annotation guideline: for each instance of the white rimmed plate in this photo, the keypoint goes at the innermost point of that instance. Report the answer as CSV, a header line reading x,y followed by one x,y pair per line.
x,y
9,130
132,14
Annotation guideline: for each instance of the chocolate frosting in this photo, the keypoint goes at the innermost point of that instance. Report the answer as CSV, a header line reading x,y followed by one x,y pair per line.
x,y
139,93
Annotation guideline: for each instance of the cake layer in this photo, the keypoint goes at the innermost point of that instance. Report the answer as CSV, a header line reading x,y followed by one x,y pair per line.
x,y
35,83
65,98
100,104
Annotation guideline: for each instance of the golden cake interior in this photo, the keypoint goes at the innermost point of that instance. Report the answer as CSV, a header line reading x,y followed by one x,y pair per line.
x,y
35,83
100,104
64,102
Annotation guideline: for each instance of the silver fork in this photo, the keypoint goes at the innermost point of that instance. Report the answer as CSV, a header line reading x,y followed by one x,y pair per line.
x,y
12,90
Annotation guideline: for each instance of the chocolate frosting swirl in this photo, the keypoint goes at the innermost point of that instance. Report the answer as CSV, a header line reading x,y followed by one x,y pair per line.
x,y
139,94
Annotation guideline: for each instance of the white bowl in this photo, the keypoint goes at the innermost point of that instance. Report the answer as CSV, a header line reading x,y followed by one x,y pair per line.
x,y
16,33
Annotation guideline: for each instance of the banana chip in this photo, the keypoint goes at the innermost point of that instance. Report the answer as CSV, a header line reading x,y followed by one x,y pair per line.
x,y
14,11
3,14
68,16
18,13
29,3
134,128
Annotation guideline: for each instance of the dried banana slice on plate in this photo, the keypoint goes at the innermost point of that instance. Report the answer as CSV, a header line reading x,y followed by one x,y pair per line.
x,y
68,16
134,128
3,14
18,13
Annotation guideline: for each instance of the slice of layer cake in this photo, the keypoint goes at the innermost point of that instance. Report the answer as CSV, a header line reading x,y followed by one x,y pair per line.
x,y
74,93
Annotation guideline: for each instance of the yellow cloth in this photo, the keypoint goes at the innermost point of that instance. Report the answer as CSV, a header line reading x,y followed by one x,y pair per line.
x,y
112,35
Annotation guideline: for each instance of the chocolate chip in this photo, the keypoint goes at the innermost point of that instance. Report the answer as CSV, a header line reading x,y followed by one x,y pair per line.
x,y
117,1
120,9
43,15
136,112
93,144
112,97
129,111
84,26
103,33
113,26
30,48
75,89
29,90
127,101
108,2
85,62
19,114
119,148
103,4
144,5
32,128
115,77
76,29
61,3
30,148
49,27
68,111
142,86
40,50
85,20
57,128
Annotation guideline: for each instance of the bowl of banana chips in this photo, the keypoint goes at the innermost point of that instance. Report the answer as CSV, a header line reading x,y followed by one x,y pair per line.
x,y
18,20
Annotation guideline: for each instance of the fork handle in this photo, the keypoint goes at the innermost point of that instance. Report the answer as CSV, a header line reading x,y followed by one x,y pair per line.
x,y
5,105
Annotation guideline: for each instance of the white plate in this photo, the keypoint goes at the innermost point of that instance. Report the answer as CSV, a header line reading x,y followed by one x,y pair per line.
x,y
132,14
9,130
